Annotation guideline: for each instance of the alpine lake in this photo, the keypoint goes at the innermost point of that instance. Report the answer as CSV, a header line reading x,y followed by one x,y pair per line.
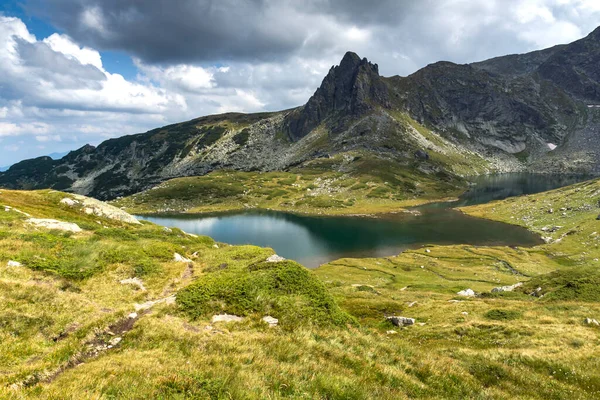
x,y
314,240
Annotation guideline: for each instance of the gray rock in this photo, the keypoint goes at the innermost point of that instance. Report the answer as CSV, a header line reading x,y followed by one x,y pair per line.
x,y
421,155
226,318
179,258
69,202
54,225
401,321
275,258
507,288
466,293
271,321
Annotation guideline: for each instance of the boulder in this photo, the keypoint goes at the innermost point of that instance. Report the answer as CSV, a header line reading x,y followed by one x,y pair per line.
x,y
54,225
275,258
466,293
507,288
179,258
421,155
271,321
226,318
69,202
401,321
101,209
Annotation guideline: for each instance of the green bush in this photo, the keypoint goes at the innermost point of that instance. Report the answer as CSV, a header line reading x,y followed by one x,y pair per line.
x,y
502,315
285,290
572,284
379,192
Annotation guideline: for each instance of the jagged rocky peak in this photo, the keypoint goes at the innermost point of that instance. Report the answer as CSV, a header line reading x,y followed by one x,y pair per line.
x,y
350,88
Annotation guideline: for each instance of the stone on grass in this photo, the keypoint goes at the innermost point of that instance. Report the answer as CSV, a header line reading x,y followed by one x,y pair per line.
x,y
507,288
226,318
590,321
401,321
275,258
179,258
134,282
54,225
101,209
466,293
12,263
271,321
69,202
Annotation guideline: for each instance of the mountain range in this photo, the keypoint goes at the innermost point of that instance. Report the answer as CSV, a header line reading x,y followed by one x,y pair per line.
x,y
537,112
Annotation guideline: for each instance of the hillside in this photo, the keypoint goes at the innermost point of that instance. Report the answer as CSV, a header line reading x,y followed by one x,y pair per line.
x,y
534,112
113,308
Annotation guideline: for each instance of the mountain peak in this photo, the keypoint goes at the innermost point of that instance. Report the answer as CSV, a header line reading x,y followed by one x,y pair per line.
x,y
347,89
595,34
350,60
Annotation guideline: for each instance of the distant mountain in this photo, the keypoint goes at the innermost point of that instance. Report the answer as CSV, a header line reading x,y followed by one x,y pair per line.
x,y
58,156
538,111
54,156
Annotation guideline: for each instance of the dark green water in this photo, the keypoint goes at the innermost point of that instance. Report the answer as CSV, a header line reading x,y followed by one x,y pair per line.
x,y
315,240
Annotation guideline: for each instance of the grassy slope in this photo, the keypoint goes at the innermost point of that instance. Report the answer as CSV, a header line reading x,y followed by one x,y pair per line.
x,y
354,182
314,189
530,348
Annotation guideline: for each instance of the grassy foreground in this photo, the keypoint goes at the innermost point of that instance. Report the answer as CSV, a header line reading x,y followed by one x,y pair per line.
x,y
328,186
63,309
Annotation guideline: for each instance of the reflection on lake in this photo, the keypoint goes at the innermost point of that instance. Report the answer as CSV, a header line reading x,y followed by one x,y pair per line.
x,y
316,240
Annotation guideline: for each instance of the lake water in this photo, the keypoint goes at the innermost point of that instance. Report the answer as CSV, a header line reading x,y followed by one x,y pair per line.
x,y
313,241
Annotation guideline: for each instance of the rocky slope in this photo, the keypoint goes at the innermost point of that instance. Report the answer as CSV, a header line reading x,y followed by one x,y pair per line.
x,y
533,111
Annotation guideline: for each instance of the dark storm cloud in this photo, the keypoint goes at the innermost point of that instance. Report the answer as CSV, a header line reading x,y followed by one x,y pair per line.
x,y
187,31
170,31
403,34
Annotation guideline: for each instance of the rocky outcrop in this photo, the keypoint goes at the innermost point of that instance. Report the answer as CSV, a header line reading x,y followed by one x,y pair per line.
x,y
401,321
53,224
95,207
349,91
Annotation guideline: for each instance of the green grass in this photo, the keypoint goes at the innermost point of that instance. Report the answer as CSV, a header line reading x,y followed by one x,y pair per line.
x,y
332,341
370,186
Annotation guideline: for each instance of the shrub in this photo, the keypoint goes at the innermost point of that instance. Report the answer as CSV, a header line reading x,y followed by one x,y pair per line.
x,y
285,290
580,284
502,315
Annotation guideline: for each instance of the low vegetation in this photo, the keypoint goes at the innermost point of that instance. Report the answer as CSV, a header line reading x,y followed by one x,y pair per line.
x,y
67,330
325,186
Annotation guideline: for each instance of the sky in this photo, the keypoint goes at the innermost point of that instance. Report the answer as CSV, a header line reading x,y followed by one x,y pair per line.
x,y
74,72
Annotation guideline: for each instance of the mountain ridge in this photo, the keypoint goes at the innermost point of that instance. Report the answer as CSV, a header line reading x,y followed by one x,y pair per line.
x,y
533,111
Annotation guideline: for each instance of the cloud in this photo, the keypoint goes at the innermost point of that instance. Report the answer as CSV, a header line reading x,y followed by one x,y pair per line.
x,y
199,57
265,31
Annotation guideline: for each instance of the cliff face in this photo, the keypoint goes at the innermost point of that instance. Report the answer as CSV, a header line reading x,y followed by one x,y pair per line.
x,y
535,111
349,91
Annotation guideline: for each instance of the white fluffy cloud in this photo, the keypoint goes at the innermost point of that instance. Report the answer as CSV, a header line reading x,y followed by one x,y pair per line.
x,y
229,56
